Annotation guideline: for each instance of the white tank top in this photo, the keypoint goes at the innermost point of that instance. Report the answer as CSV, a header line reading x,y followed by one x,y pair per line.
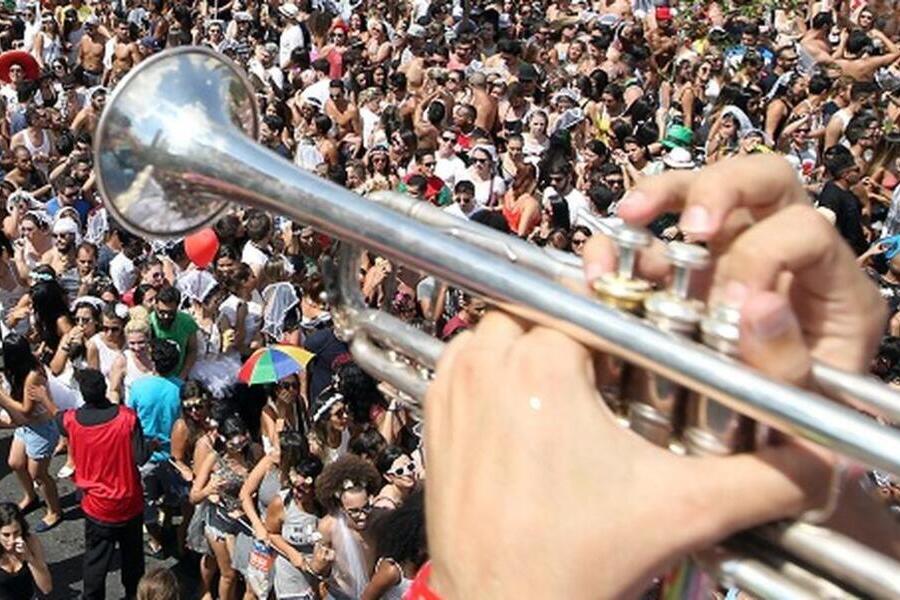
x,y
132,372
332,454
43,147
107,354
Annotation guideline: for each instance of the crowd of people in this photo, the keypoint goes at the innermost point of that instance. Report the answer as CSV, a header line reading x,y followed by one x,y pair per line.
x,y
539,119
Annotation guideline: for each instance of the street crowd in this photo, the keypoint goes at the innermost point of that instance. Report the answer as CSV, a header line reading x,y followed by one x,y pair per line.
x,y
534,118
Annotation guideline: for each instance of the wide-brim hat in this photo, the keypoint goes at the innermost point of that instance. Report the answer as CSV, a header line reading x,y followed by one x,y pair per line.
x,y
21,58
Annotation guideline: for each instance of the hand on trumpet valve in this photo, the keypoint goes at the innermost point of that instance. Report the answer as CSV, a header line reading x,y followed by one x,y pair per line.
x,y
517,432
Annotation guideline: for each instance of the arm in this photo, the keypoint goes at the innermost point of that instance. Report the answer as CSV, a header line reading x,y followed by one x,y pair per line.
x,y
61,357
385,577
93,355
248,501
687,105
179,439
313,565
116,379
774,114
37,50
205,485
190,356
33,555
139,446
833,131
874,63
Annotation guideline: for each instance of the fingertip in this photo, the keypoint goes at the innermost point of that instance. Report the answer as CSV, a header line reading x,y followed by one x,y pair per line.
x,y
771,338
599,257
638,207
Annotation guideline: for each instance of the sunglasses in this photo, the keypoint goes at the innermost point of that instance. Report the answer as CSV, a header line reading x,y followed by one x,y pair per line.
x,y
407,469
83,320
358,512
481,161
195,405
288,385
340,414
112,328
450,139
428,164
578,241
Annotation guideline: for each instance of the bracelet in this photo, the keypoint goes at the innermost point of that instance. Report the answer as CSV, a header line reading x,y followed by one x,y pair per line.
x,y
309,571
817,516
419,589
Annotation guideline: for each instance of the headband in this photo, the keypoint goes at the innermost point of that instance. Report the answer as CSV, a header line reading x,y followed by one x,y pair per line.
x,y
326,406
41,276
91,300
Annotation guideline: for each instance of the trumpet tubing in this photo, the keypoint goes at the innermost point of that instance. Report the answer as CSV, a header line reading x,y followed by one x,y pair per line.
x,y
176,145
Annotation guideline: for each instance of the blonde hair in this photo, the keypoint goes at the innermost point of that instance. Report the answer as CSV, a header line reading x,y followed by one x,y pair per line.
x,y
158,584
138,321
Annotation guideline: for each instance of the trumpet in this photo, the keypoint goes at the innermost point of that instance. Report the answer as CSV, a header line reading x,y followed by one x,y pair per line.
x,y
175,146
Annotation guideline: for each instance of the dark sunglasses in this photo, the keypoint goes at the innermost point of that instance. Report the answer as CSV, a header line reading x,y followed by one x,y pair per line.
x,y
408,469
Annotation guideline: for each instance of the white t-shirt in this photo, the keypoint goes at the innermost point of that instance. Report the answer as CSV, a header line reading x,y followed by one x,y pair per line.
x,y
451,169
253,257
485,189
576,201
456,210
292,37
318,90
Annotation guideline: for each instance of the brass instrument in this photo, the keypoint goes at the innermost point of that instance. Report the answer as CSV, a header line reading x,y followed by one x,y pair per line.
x,y
176,145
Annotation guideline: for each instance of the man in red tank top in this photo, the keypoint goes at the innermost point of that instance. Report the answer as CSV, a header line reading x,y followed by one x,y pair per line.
x,y
107,446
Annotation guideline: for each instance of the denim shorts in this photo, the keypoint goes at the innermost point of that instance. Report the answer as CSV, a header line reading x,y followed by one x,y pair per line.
x,y
39,439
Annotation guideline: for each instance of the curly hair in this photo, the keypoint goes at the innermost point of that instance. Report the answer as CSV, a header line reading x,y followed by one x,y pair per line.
x,y
334,480
400,534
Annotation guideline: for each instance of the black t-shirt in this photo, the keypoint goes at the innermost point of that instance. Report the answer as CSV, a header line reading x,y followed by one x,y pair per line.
x,y
846,208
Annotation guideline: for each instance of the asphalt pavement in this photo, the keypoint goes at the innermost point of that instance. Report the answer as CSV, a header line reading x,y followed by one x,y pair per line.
x,y
64,544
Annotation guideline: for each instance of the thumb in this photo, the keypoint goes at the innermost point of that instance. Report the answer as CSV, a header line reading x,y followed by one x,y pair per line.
x,y
771,338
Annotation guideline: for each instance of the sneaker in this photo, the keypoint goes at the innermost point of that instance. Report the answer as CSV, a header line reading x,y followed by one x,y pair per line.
x,y
65,471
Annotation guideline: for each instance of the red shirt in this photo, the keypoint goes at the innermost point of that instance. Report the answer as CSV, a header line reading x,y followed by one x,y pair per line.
x,y
105,469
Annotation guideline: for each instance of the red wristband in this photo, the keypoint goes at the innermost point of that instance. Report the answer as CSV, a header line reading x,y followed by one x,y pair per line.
x,y
419,589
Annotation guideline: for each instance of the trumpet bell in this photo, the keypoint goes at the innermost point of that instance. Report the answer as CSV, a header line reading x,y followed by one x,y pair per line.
x,y
155,133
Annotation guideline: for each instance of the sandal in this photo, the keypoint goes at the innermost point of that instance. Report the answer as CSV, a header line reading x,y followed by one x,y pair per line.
x,y
158,554
43,526
34,504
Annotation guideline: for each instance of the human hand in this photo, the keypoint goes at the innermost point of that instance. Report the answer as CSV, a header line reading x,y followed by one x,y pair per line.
x,y
748,210
540,383
22,550
261,534
549,445
322,557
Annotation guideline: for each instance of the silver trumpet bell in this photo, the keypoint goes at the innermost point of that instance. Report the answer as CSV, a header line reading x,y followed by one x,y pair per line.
x,y
176,146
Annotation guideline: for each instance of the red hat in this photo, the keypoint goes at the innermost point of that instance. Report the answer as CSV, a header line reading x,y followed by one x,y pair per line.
x,y
21,58
339,24
663,13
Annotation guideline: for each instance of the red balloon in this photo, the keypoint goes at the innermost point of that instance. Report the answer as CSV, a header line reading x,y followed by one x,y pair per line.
x,y
201,247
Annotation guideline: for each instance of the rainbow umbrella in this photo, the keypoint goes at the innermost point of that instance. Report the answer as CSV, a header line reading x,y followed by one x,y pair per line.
x,y
273,363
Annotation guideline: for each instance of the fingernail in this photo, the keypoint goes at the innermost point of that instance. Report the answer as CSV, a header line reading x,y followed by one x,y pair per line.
x,y
632,199
735,294
696,219
773,320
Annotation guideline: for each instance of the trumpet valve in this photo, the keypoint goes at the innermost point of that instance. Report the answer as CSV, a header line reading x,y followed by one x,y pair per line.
x,y
657,404
621,289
